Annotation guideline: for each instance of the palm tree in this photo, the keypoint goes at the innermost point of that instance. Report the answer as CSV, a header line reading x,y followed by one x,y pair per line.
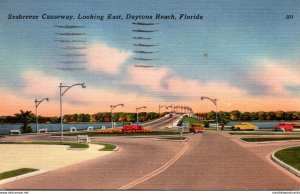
x,y
25,117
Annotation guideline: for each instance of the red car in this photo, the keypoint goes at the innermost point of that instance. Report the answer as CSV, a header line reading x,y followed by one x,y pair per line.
x,y
283,127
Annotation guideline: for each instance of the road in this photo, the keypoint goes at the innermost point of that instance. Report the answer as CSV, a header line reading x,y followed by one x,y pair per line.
x,y
217,162
161,124
208,161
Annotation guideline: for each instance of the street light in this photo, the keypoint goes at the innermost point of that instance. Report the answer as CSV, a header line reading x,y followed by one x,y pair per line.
x,y
215,103
37,103
61,93
181,107
111,109
176,108
159,106
137,113
171,106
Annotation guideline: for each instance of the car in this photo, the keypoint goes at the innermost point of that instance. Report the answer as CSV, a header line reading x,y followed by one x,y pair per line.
x,y
244,126
283,127
296,125
196,128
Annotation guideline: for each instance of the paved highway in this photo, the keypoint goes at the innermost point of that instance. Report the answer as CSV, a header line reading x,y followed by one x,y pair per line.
x,y
208,161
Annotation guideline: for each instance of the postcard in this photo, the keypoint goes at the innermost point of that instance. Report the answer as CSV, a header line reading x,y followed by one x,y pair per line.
x,y
149,95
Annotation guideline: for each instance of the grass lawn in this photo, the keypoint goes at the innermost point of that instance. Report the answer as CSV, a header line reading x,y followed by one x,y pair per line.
x,y
261,139
108,147
120,134
290,156
13,173
71,144
192,120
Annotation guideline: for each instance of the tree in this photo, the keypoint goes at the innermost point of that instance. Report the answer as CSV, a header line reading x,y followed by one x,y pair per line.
x,y
279,115
25,117
261,115
83,118
106,117
94,118
223,119
295,115
131,117
270,116
122,117
211,115
254,116
152,115
235,115
245,116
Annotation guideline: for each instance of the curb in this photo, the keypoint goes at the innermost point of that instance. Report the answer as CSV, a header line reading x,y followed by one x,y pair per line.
x,y
172,140
116,149
283,164
27,175
266,142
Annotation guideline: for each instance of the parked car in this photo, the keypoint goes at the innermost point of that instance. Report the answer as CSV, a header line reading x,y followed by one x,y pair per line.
x,y
196,128
283,127
296,125
244,126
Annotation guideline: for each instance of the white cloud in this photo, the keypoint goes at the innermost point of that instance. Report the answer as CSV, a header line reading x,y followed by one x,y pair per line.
x,y
275,76
105,59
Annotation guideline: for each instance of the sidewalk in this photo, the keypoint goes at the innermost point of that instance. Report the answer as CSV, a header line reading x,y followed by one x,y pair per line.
x,y
44,157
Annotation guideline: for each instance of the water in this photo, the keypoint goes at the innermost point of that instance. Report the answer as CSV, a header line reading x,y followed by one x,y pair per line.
x,y
4,128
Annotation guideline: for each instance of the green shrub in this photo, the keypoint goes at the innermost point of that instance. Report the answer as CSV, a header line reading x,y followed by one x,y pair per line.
x,y
206,124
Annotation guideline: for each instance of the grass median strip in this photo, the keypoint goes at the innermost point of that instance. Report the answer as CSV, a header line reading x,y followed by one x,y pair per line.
x,y
259,139
71,144
290,156
108,147
13,173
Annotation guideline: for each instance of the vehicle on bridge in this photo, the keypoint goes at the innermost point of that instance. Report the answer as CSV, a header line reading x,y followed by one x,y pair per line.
x,y
244,127
283,127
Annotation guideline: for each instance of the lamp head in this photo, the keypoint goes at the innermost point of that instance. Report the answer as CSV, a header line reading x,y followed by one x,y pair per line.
x,y
83,85
47,99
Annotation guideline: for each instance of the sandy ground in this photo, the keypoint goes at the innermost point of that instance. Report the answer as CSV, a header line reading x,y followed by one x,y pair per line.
x,y
44,157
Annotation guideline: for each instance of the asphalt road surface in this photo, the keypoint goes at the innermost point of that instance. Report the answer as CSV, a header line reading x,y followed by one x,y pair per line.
x,y
208,161
161,124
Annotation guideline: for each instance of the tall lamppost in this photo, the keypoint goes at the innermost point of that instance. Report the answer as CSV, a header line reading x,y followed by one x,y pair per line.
x,y
61,93
159,107
171,106
137,113
215,103
111,109
176,109
37,103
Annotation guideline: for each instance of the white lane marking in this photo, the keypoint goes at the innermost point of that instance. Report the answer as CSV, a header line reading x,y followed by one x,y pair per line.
x,y
157,171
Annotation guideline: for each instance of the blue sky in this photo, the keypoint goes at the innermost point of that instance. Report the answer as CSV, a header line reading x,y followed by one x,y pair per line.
x,y
234,46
